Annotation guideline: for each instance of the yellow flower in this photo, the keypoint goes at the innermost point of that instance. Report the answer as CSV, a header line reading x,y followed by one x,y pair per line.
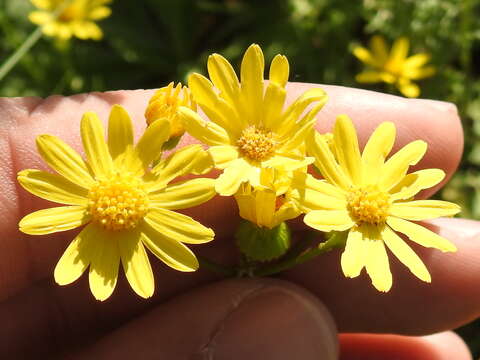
x,y
248,129
393,67
268,206
165,104
372,199
125,206
75,17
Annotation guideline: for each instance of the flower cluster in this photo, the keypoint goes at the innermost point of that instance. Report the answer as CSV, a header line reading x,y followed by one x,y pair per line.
x,y
126,196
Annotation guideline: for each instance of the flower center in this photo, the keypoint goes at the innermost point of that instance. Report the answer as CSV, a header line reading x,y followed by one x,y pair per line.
x,y
118,203
257,144
72,12
368,204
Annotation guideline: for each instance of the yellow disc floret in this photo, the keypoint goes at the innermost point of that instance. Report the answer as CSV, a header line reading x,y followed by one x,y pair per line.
x,y
256,143
368,204
118,203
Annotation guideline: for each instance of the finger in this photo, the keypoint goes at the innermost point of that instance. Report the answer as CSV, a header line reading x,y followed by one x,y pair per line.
x,y
411,307
442,346
25,259
234,319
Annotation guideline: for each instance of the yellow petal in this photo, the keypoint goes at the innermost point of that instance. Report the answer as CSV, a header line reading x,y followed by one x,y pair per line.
x,y
413,183
369,77
352,260
417,60
191,159
223,77
171,252
273,105
137,266
279,70
405,254
92,30
419,72
377,149
326,163
251,74
76,257
423,209
329,220
364,56
205,131
284,163
286,212
64,160
120,131
223,155
95,147
184,194
52,187
47,221
397,166
232,177
43,4
376,259
99,13
346,148
178,227
408,88
400,49
421,235
379,49
105,261
40,17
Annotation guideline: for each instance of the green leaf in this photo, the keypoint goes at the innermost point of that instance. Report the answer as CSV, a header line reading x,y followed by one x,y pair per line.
x,y
261,243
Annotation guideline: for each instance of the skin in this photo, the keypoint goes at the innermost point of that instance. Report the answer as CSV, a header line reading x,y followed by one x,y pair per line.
x,y
201,316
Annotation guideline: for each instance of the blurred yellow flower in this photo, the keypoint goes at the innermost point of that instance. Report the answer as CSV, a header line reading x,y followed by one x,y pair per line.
x,y
393,67
74,18
165,103
249,129
372,199
125,206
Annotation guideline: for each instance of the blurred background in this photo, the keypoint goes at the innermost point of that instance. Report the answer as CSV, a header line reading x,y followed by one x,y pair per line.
x,y
148,43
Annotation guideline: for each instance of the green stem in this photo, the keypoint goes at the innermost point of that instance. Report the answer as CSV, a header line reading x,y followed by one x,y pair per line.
x,y
214,267
20,52
333,242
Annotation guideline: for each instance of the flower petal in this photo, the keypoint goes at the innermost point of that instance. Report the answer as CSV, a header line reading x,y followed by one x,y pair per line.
x,y
352,260
284,163
205,131
223,77
326,163
52,187
120,131
40,17
397,166
184,194
377,149
64,160
379,49
421,235
171,252
369,77
273,105
405,254
413,183
105,261
417,60
178,227
47,221
329,220
251,75
191,159
408,88
237,172
223,155
423,209
376,259
346,148
400,49
364,56
136,265
76,257
279,70
99,13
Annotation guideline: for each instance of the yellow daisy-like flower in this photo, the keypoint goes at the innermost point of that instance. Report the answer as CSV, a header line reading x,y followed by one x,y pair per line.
x,y
74,18
372,199
165,104
268,206
394,67
248,129
126,207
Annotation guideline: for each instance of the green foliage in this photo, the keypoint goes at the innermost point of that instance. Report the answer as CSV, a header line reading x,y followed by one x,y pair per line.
x,y
149,43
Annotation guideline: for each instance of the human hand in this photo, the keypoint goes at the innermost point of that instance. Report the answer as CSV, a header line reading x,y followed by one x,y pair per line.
x,y
201,316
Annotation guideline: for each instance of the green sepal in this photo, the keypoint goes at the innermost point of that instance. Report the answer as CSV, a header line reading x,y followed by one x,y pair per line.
x,y
261,243
335,239
171,143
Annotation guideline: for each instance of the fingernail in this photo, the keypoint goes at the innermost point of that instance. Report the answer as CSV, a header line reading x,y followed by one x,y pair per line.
x,y
277,323
439,105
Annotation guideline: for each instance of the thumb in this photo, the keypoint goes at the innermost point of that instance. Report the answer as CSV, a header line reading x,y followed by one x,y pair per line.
x,y
233,319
